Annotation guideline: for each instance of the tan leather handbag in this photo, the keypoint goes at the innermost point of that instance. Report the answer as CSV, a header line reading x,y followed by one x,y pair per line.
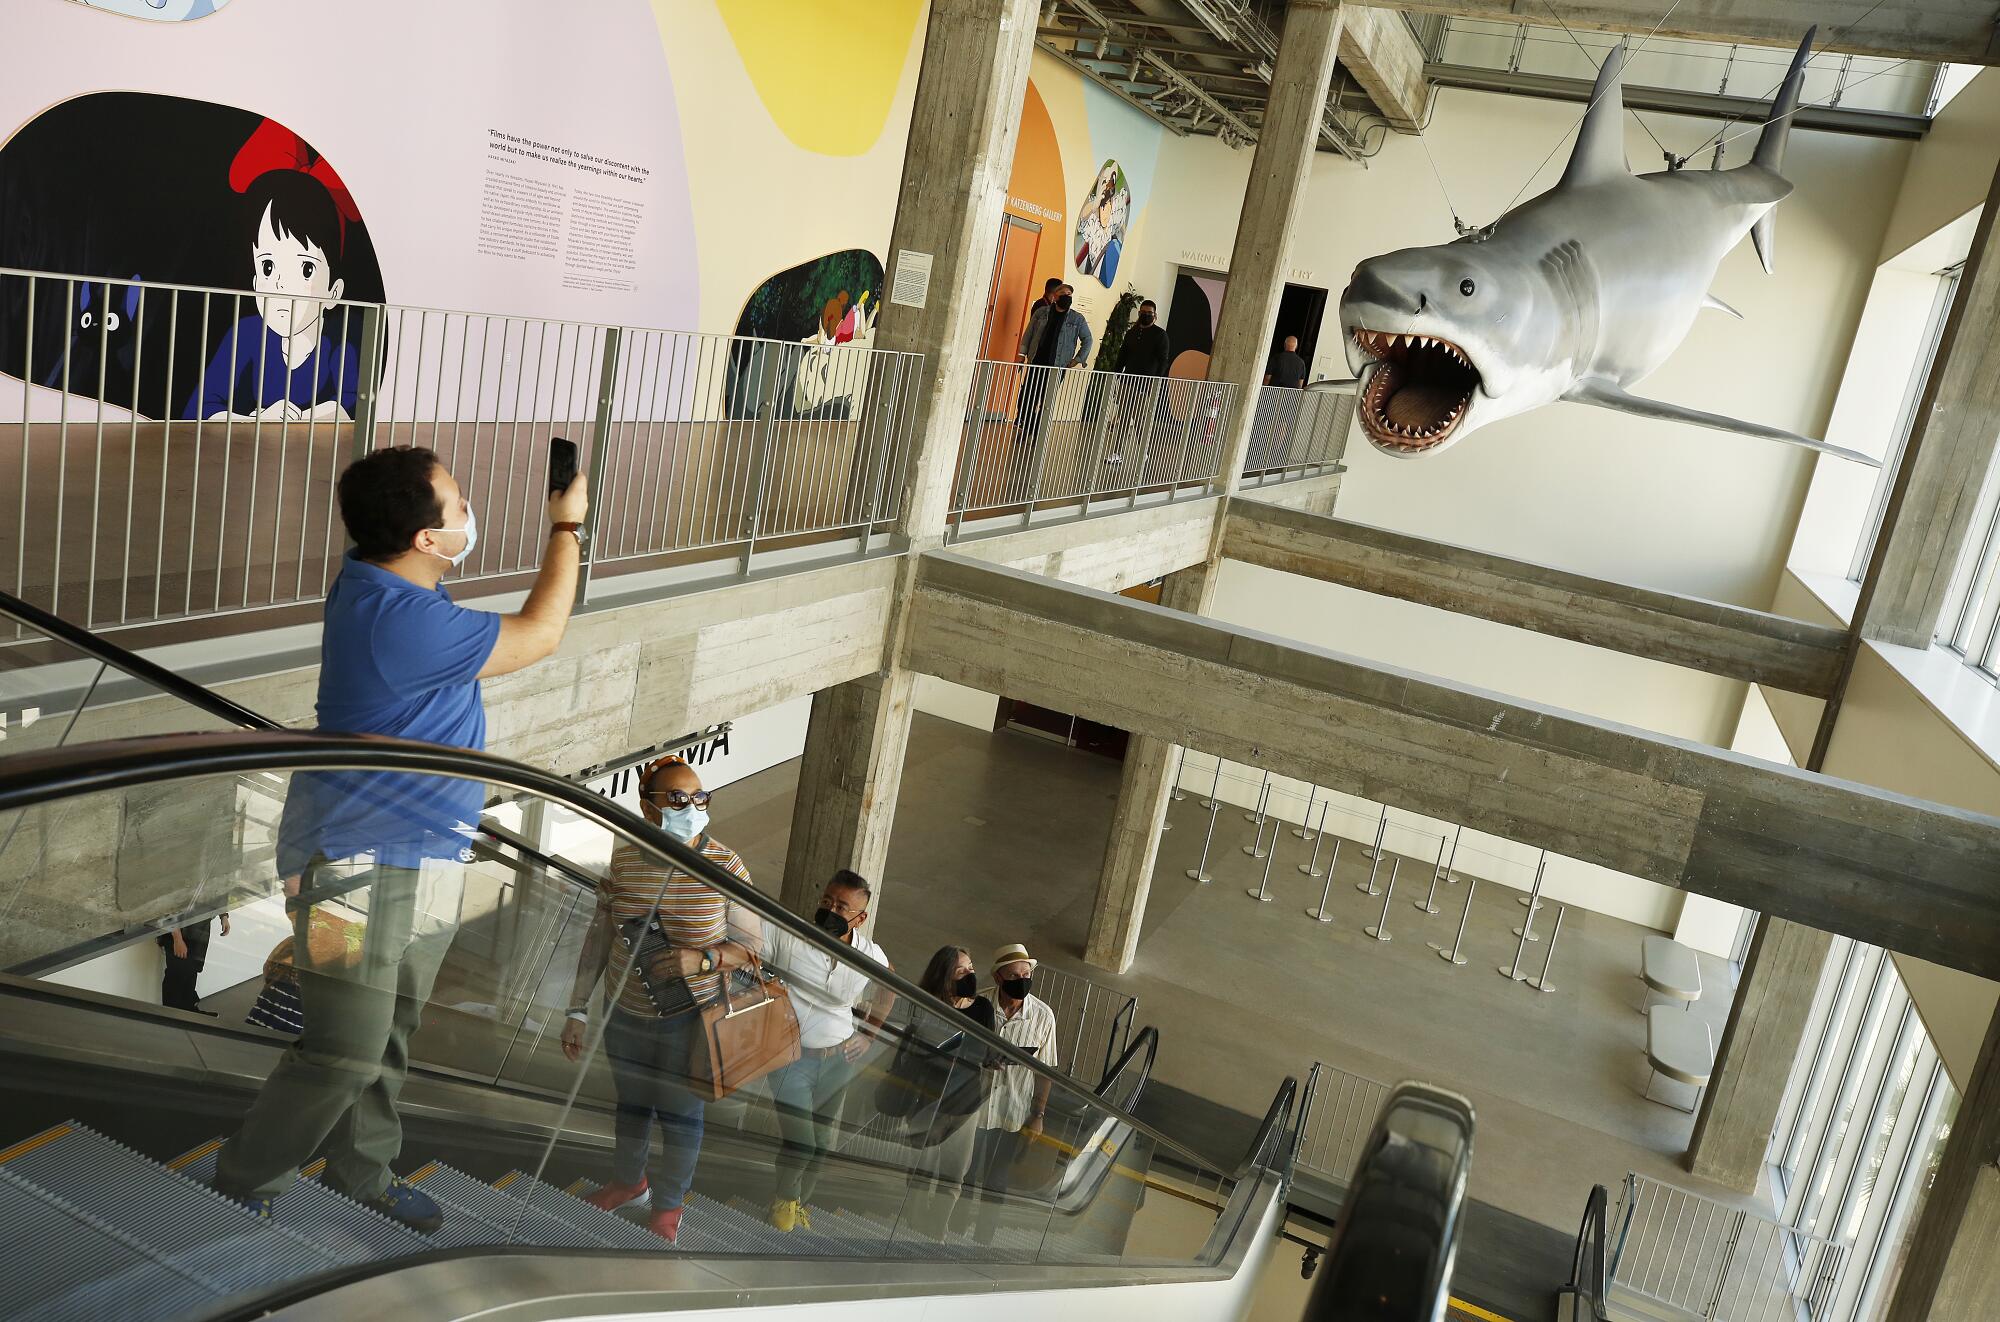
x,y
747,1031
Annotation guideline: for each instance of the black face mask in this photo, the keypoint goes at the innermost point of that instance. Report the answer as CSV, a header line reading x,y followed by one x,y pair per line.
x,y
829,922
1145,318
967,986
1016,989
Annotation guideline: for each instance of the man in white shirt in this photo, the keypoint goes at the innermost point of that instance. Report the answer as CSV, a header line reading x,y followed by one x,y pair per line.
x,y
1017,1102
825,996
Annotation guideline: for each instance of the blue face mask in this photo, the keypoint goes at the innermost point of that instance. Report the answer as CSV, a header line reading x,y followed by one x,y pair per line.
x,y
471,531
684,824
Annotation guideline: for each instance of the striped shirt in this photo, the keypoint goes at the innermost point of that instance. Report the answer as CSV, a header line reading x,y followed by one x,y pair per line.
x,y
692,915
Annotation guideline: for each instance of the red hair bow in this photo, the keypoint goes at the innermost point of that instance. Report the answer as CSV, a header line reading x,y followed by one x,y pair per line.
x,y
272,146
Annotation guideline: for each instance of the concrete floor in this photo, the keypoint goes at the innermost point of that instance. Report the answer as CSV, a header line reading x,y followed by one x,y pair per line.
x,y
998,838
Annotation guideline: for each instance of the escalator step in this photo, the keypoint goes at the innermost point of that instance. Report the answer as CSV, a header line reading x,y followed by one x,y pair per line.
x,y
508,1219
185,1222
61,1264
328,1219
609,1227
697,1233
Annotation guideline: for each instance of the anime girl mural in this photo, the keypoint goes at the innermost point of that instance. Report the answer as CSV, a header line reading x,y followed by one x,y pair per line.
x,y
292,358
1101,223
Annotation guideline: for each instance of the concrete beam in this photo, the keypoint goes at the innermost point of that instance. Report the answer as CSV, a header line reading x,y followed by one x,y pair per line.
x,y
1710,636
1377,47
1914,877
1961,31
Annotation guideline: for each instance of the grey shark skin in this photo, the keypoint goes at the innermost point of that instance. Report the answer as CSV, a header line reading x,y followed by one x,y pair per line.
x,y
1576,295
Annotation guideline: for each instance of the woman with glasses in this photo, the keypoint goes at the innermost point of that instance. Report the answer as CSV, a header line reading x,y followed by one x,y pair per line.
x,y
668,939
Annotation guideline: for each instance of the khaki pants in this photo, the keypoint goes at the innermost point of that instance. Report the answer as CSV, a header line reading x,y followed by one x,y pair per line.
x,y
338,1084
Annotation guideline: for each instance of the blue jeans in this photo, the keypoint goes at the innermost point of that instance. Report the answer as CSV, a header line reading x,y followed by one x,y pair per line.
x,y
809,1092
649,1066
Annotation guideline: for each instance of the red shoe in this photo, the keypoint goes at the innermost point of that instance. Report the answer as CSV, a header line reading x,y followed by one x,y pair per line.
x,y
666,1224
615,1195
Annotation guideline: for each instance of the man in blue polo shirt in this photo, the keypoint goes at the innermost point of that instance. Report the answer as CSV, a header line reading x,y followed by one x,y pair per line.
x,y
385,851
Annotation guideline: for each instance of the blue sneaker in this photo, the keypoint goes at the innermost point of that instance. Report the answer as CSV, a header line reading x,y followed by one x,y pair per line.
x,y
410,1206
257,1207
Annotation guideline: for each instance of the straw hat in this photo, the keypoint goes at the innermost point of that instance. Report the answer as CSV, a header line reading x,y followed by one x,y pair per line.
x,y
1013,954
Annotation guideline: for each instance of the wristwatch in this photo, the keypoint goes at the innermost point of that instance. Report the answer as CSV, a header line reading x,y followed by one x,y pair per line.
x,y
574,529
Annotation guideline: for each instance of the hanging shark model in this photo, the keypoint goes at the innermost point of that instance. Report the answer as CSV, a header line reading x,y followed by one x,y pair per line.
x,y
1579,294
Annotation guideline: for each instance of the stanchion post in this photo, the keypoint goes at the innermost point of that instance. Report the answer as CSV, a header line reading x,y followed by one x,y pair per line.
x,y
1534,897
1450,880
1312,869
1429,903
1255,848
1380,930
1304,830
1541,983
1526,931
1452,956
1199,872
1322,913
1368,887
1262,791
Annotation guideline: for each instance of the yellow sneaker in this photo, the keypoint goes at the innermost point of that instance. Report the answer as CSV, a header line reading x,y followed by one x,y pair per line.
x,y
787,1214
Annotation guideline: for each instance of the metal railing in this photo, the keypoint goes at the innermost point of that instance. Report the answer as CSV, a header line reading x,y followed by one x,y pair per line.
x,y
1038,438
176,456
1714,1261
1093,1022
1295,433
1335,1118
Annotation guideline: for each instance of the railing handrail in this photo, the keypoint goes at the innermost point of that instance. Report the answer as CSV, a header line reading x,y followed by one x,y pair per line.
x,y
384,305
131,663
29,779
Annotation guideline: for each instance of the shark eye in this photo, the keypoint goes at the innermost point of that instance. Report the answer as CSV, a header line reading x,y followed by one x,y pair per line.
x,y
1466,287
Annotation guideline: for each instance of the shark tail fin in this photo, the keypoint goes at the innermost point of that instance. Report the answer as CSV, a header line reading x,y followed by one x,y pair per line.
x,y
1770,153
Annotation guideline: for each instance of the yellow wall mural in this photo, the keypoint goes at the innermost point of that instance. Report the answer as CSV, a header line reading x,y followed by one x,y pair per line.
x,y
826,70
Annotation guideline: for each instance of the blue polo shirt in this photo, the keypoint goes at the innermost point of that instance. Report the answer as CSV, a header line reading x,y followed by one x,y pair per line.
x,y
395,659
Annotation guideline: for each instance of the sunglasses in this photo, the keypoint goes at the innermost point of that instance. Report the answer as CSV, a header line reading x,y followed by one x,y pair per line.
x,y
680,798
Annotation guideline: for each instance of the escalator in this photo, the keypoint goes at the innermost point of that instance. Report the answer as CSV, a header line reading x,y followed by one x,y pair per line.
x,y
133,801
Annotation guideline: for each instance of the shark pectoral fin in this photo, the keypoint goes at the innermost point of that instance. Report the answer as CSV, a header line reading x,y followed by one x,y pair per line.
x,y
1335,386
1711,301
1606,395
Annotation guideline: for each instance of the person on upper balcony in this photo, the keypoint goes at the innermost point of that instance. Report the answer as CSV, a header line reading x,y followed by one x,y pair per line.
x,y
387,850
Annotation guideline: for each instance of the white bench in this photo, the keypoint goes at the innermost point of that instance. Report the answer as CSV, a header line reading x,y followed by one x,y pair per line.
x,y
1671,969
1680,1047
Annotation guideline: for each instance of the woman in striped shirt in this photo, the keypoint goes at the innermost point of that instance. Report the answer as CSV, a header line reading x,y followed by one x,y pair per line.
x,y
651,1032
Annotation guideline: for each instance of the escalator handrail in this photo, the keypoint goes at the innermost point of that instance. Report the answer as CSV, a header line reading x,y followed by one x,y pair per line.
x,y
131,663
29,779
1586,1272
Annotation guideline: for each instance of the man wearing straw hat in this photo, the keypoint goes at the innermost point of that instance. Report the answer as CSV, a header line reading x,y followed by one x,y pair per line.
x,y
1017,1104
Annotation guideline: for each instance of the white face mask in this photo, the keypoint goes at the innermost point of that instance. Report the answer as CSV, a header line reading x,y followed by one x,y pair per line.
x,y
684,824
471,531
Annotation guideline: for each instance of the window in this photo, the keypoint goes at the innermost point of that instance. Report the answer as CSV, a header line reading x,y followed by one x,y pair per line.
x,y
1906,419
1862,1126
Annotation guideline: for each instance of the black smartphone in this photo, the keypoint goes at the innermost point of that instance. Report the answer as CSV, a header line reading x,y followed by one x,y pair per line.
x,y
562,464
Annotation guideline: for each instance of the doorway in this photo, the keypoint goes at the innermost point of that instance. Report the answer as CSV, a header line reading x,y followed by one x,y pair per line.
x,y
1301,308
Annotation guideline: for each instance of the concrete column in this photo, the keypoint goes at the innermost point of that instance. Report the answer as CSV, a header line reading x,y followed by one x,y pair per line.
x,y
1766,1023
1928,516
1134,844
848,782
963,126
1954,1265
1257,264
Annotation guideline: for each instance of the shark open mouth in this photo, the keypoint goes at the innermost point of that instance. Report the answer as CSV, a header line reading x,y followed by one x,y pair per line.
x,y
1418,392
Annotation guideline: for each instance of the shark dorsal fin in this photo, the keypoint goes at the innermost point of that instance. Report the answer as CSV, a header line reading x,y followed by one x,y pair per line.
x,y
1600,140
